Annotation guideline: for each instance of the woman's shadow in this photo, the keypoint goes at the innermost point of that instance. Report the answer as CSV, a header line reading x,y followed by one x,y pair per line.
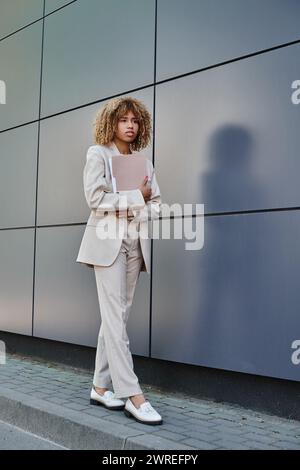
x,y
230,266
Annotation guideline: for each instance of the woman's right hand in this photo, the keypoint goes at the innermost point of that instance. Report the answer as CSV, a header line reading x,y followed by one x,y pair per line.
x,y
145,189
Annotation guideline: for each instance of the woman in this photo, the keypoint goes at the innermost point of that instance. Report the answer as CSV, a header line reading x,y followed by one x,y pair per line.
x,y
122,127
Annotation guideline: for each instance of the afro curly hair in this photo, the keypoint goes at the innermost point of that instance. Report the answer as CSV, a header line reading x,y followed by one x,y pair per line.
x,y
106,121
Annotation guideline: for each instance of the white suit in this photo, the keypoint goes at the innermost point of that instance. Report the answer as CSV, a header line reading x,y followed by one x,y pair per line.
x,y
117,263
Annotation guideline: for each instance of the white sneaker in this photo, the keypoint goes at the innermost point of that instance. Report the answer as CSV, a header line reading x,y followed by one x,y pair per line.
x,y
107,399
145,414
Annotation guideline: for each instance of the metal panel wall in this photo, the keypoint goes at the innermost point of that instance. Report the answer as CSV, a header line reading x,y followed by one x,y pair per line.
x,y
51,5
91,51
234,304
16,14
20,58
237,141
18,176
194,34
16,277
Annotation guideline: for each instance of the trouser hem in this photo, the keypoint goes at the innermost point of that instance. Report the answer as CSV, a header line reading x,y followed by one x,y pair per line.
x,y
102,385
128,393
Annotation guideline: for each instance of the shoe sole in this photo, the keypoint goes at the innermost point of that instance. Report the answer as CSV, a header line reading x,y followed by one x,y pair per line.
x,y
130,415
98,403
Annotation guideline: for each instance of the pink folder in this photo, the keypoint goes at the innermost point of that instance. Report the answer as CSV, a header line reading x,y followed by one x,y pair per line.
x,y
128,171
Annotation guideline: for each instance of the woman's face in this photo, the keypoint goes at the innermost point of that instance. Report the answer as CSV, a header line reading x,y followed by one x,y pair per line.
x,y
127,123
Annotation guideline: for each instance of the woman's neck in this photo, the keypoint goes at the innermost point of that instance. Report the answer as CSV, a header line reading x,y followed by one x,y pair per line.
x,y
123,148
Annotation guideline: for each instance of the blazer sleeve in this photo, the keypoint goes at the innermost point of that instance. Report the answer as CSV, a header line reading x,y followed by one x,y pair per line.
x,y
98,194
152,208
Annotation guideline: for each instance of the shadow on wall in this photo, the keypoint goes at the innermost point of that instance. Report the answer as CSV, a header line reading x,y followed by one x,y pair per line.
x,y
231,262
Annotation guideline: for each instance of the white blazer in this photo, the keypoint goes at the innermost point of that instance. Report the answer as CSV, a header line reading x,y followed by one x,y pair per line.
x,y
103,202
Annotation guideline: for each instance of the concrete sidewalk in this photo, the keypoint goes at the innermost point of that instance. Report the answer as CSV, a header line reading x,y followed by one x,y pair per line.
x,y
52,401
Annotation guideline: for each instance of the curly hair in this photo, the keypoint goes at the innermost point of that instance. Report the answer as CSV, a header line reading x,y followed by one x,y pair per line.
x,y
106,122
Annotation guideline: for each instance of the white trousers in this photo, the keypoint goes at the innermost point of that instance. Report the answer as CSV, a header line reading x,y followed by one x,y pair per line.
x,y
116,286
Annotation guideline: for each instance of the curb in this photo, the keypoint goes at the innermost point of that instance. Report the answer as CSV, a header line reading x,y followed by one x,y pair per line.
x,y
74,430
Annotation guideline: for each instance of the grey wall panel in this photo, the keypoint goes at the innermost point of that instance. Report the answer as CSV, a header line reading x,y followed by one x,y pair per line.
x,y
20,58
232,134
91,50
197,33
51,5
234,304
66,301
16,278
15,14
64,141
18,176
